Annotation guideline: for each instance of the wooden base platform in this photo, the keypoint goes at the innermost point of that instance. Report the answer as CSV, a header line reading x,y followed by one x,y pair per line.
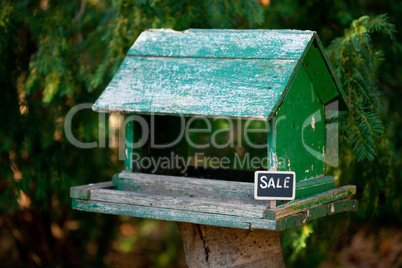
x,y
208,202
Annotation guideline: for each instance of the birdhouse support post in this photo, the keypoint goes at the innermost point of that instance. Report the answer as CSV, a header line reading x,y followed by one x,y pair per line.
x,y
213,246
129,140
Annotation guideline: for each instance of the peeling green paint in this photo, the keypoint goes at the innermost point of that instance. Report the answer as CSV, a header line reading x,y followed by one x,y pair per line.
x,y
301,124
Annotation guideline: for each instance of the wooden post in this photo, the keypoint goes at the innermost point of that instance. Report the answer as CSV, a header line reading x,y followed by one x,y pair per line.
x,y
212,246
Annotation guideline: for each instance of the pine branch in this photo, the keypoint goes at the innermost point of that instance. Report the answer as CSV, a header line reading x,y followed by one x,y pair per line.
x,y
356,62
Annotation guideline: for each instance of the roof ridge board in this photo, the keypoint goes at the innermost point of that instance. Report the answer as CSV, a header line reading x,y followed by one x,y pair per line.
x,y
223,43
286,31
199,57
290,31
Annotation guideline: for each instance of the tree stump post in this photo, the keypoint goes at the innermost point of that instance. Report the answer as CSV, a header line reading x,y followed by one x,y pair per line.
x,y
212,246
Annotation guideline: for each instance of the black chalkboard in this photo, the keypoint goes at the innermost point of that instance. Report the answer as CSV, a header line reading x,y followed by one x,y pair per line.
x,y
274,185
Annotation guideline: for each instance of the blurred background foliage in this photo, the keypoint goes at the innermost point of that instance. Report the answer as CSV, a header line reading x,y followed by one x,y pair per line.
x,y
57,54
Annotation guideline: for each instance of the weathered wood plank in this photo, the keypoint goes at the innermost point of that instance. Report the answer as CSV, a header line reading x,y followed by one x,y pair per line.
x,y
351,205
281,224
336,207
242,88
222,190
173,215
83,191
242,221
182,203
290,222
312,207
316,212
300,218
310,202
310,187
265,44
218,190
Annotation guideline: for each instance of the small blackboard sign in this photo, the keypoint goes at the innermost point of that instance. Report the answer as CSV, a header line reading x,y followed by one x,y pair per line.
x,y
274,185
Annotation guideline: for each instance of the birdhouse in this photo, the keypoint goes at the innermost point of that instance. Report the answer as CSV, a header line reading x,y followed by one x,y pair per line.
x,y
279,79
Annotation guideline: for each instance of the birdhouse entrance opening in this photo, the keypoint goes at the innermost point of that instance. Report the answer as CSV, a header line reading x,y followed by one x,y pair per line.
x,y
213,148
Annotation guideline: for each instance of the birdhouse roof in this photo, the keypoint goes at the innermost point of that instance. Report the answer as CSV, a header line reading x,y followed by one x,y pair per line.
x,y
234,73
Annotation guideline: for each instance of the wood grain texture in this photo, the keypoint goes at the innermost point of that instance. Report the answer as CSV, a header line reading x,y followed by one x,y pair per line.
x,y
173,215
245,88
217,190
241,222
207,205
307,203
83,191
260,44
316,212
233,191
181,203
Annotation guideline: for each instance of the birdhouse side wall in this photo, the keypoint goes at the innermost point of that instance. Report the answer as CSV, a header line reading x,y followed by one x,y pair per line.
x,y
300,130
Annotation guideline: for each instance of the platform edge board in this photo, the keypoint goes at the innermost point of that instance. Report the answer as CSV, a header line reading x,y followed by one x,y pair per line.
x,y
329,209
182,203
310,202
173,215
83,191
288,222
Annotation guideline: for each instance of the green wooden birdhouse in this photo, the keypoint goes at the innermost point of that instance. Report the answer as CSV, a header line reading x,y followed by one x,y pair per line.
x,y
278,77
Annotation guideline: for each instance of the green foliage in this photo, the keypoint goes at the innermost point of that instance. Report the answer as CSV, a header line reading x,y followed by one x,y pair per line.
x,y
56,54
9,116
295,241
356,62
